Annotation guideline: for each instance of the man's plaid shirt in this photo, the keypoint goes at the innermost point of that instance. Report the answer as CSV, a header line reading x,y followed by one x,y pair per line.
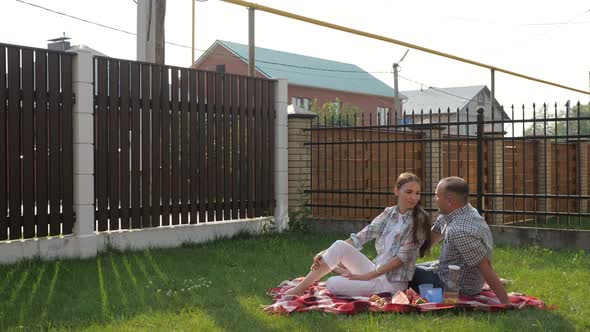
x,y
466,241
403,246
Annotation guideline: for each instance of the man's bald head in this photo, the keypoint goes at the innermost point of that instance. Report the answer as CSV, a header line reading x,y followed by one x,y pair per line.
x,y
457,187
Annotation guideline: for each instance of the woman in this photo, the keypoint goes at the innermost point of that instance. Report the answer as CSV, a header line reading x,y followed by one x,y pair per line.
x,y
402,232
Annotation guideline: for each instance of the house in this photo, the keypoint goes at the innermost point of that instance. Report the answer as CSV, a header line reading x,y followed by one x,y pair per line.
x,y
455,104
308,77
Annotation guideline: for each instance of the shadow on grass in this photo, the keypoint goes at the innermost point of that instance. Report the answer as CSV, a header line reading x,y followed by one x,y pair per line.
x,y
219,285
225,281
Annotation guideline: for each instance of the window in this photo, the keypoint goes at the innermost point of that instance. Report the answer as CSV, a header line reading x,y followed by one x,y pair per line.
x,y
481,99
383,115
301,102
220,69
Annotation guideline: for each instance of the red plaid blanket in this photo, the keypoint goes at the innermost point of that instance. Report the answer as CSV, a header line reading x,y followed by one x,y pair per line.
x,y
318,298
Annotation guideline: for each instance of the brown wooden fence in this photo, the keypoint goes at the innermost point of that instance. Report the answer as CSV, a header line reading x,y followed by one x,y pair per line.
x,y
36,167
358,176
519,178
354,169
564,158
459,158
179,146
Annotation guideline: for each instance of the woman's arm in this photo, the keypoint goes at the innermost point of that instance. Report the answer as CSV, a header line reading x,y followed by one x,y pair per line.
x,y
371,231
392,264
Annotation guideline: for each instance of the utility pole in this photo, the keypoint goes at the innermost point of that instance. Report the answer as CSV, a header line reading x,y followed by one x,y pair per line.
x,y
193,33
397,105
160,33
251,55
151,16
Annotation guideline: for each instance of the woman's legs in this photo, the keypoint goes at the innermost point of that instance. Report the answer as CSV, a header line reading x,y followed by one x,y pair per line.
x,y
345,287
314,275
339,252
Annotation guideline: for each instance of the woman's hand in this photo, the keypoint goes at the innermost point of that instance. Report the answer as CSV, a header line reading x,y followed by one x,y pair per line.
x,y
317,259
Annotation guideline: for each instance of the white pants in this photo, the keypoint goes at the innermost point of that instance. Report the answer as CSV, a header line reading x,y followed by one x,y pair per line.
x,y
341,252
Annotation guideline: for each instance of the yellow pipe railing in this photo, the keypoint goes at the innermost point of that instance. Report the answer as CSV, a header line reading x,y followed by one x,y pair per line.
x,y
393,41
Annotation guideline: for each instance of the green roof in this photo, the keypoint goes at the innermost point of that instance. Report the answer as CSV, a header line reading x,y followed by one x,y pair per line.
x,y
309,71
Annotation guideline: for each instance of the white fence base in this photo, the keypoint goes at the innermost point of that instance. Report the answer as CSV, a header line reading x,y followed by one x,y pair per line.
x,y
71,246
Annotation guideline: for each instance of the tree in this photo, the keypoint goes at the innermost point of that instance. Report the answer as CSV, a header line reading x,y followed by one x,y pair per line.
x,y
574,125
336,113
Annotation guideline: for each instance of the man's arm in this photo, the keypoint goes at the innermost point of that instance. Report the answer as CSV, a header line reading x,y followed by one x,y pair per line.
x,y
487,271
435,238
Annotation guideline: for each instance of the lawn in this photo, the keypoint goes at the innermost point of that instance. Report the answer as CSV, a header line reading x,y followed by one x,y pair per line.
x,y
561,222
220,286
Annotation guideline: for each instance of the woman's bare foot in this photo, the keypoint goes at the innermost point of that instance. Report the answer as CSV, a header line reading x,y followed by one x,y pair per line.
x,y
318,270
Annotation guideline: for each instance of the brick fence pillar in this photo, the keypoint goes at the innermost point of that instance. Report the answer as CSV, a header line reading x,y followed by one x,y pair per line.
x,y
583,164
432,165
83,140
299,155
544,167
495,178
281,156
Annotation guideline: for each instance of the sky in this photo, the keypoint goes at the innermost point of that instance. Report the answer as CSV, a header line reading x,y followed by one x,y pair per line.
x,y
546,39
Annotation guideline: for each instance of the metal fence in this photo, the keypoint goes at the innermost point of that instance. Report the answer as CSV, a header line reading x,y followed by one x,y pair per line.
x,y
179,146
524,167
36,158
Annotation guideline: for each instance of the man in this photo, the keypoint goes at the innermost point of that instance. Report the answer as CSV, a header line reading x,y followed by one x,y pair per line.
x,y
467,242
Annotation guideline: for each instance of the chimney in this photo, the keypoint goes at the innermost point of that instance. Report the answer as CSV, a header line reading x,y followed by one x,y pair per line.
x,y
59,44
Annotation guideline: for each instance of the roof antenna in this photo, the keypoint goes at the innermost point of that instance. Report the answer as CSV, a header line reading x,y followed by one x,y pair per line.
x,y
397,105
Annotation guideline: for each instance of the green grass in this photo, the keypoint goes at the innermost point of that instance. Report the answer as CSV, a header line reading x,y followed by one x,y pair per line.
x,y
560,222
225,282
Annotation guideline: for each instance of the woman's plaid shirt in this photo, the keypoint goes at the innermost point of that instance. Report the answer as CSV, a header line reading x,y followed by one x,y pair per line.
x,y
403,246
466,241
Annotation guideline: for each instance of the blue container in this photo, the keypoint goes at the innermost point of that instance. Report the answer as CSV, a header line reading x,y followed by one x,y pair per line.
x,y
424,287
434,295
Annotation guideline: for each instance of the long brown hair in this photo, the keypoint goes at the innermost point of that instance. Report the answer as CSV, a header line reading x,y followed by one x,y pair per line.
x,y
422,222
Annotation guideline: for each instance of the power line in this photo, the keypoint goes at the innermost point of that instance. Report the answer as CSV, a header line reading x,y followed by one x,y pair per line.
x,y
74,17
566,22
433,88
90,22
317,74
448,93
239,57
323,69
189,47
555,23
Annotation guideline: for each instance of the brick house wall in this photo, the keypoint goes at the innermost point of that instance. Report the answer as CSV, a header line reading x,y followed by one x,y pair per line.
x,y
235,65
367,103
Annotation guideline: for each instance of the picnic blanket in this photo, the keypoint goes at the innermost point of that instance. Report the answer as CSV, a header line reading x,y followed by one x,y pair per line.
x,y
318,298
